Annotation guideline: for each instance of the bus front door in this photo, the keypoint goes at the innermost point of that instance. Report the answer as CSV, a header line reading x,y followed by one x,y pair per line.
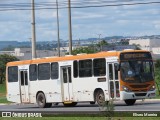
x,y
24,86
67,84
113,81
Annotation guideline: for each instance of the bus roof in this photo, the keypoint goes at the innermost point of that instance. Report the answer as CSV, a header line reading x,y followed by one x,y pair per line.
x,y
72,57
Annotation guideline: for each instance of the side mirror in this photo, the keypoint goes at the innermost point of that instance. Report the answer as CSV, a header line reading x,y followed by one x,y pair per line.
x,y
116,66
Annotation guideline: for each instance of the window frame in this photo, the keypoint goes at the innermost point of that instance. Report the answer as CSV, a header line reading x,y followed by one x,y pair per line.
x,y
10,78
40,74
75,71
57,71
31,72
101,70
84,70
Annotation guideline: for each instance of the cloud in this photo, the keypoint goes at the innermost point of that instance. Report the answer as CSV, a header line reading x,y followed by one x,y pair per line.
x,y
156,24
86,22
47,14
87,15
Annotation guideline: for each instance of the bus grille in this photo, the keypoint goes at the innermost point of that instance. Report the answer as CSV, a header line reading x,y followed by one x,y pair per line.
x,y
140,90
139,86
140,94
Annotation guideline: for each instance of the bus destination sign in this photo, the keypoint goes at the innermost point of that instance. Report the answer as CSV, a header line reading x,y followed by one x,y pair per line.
x,y
131,55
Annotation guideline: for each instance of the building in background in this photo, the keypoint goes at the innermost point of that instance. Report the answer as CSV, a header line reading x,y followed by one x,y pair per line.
x,y
26,53
152,44
117,47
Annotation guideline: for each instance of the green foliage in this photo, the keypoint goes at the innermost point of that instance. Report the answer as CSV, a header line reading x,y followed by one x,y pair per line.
x,y
157,64
101,43
87,50
108,109
2,89
138,47
157,74
4,59
93,48
124,43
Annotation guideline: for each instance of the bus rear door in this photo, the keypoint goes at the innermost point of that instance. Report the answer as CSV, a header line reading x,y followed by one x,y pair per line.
x,y
24,86
113,81
67,84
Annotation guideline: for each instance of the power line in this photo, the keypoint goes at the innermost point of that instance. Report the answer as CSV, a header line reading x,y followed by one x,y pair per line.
x,y
25,6
64,3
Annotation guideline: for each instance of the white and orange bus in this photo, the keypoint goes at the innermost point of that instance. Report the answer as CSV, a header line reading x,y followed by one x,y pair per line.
x,y
120,75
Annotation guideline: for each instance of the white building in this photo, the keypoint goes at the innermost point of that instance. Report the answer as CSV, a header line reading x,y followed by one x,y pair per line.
x,y
7,52
146,44
156,50
152,45
26,53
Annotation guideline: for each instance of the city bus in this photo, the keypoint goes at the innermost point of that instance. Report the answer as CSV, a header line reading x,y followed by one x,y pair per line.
x,y
126,75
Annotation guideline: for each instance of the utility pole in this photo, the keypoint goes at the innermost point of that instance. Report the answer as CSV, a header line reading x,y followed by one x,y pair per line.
x,y
70,27
33,32
100,42
58,30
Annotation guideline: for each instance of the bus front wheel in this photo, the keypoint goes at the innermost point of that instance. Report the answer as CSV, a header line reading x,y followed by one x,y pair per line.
x,y
130,101
100,98
41,101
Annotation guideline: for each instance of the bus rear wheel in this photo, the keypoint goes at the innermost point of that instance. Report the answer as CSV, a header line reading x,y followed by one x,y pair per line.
x,y
130,101
41,101
100,98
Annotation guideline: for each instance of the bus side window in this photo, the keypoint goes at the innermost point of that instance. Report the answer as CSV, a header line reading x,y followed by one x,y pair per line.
x,y
33,72
75,67
85,68
54,70
116,71
13,74
44,71
110,72
22,78
99,67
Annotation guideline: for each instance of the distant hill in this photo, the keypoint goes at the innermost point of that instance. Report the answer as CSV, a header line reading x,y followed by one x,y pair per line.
x,y
53,44
4,44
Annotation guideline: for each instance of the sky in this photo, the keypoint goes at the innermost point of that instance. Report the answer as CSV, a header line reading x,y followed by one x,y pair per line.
x,y
106,18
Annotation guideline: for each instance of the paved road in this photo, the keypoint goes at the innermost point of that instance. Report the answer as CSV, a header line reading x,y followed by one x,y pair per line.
x,y
147,105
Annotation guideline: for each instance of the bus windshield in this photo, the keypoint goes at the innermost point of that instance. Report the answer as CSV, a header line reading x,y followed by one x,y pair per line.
x,y
137,71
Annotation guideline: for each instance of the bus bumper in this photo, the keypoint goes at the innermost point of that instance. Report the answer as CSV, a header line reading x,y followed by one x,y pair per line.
x,y
137,95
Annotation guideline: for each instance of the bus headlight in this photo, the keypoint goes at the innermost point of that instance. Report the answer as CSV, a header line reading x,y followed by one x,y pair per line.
x,y
126,89
152,88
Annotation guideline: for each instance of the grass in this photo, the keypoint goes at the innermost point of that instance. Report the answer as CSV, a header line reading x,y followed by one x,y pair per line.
x,y
84,118
2,90
3,98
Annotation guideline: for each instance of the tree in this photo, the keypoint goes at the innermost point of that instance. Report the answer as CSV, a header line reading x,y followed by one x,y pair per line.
x,y
138,47
89,49
157,74
92,48
4,59
102,43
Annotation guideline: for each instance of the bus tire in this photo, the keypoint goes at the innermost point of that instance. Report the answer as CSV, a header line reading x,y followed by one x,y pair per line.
x,y
70,104
100,97
48,105
130,101
92,103
41,101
